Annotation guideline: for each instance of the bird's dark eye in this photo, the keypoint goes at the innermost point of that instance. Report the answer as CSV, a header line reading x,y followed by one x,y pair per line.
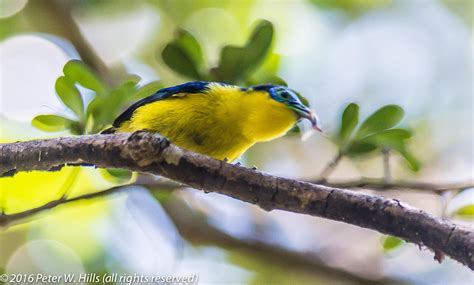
x,y
284,95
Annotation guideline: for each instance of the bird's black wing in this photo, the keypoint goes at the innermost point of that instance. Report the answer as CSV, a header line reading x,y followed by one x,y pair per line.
x,y
190,87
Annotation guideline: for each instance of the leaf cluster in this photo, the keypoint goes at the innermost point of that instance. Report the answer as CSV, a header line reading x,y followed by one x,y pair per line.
x,y
378,131
236,65
106,102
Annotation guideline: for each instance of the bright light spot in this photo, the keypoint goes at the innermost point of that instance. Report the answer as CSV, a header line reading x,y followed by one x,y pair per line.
x,y
11,7
121,35
28,70
45,257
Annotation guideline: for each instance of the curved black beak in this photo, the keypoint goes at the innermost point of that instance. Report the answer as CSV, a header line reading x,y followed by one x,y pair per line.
x,y
307,113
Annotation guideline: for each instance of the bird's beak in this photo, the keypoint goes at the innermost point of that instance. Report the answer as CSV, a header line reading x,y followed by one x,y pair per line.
x,y
307,113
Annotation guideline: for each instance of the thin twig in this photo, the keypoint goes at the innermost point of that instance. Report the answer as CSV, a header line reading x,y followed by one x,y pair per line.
x,y
7,220
387,173
330,168
380,184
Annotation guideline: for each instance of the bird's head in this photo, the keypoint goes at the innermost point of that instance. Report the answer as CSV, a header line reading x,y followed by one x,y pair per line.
x,y
293,101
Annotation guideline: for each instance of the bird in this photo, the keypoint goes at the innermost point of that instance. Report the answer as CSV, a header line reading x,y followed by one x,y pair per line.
x,y
216,119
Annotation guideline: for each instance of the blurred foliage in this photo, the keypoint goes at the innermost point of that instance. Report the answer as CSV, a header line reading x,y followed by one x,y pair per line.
x,y
105,105
390,243
276,272
376,132
465,212
352,7
237,64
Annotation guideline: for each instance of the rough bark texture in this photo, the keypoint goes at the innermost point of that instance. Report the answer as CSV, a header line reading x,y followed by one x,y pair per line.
x,y
145,152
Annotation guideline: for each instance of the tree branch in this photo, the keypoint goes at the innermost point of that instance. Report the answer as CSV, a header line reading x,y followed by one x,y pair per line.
x,y
146,152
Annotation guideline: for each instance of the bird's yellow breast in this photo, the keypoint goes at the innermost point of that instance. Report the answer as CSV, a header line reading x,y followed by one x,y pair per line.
x,y
222,123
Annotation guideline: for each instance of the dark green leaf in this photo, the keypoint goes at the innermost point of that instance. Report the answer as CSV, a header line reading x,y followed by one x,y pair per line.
x,y
465,212
191,46
384,118
349,120
51,123
177,59
236,62
119,175
261,39
104,109
359,148
184,55
294,131
78,72
69,95
390,243
411,160
394,139
392,135
161,195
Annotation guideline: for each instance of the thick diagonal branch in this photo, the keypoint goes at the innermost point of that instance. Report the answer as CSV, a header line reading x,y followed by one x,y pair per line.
x,y
145,152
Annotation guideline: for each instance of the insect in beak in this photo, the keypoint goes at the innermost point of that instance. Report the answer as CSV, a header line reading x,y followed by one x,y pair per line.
x,y
307,113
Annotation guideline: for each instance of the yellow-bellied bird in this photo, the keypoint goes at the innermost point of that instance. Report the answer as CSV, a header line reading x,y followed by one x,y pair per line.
x,y
216,119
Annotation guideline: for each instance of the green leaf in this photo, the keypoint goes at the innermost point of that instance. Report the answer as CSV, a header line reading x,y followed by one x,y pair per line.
x,y
191,46
394,139
465,212
120,174
104,109
294,131
177,59
161,195
384,118
358,148
411,160
236,62
184,55
390,243
388,136
349,120
147,90
78,72
69,95
51,123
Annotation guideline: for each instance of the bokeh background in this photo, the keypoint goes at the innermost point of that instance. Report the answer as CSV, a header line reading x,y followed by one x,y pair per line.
x,y
417,54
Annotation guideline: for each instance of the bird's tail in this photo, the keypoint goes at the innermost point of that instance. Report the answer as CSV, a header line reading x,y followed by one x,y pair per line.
x,y
110,130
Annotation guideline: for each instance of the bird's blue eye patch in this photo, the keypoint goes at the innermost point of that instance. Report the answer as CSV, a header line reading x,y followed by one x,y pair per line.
x,y
284,95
